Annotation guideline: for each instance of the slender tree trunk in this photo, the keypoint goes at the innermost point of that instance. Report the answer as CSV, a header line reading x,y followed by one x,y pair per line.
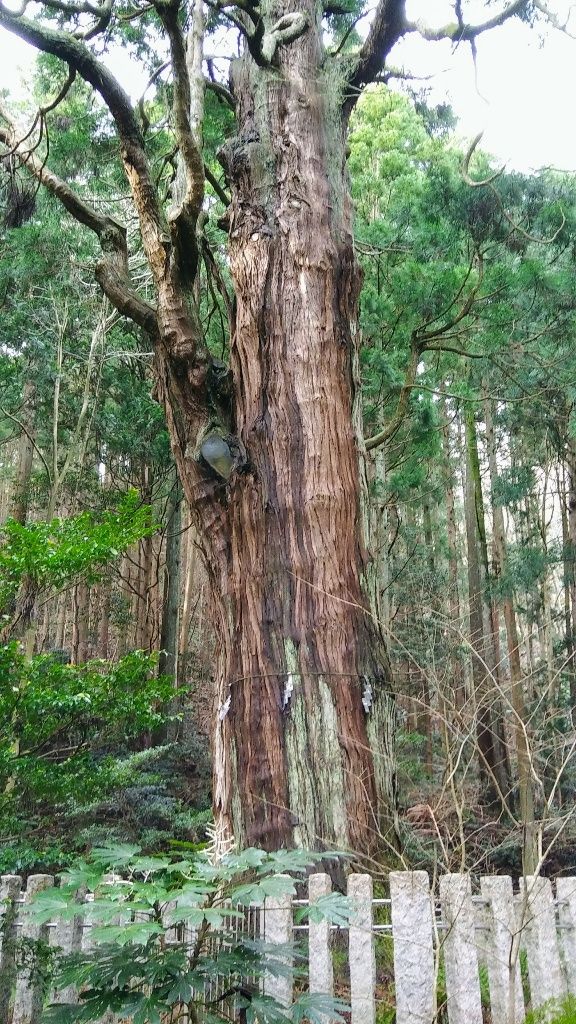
x,y
494,784
571,551
81,624
427,710
104,606
500,565
143,583
126,606
458,681
547,629
170,631
144,610
60,632
379,533
21,494
568,561
190,574
491,618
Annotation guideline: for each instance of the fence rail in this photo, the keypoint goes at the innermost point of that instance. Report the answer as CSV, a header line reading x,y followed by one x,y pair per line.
x,y
458,937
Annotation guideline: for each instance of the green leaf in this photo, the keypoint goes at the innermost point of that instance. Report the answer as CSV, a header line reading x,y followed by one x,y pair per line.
x,y
318,1008
117,856
124,934
333,907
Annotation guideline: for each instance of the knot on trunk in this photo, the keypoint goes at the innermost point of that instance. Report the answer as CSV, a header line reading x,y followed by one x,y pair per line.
x,y
288,28
221,454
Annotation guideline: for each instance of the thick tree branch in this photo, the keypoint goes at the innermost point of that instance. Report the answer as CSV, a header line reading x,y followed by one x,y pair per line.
x,y
189,185
124,299
102,13
387,28
390,24
552,18
74,53
262,43
178,331
288,28
220,192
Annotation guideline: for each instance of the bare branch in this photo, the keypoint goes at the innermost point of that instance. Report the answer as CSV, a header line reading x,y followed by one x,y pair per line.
x,y
262,44
423,337
30,437
179,334
401,74
224,5
74,53
220,91
458,31
562,26
395,423
220,192
466,166
66,7
102,13
441,347
347,35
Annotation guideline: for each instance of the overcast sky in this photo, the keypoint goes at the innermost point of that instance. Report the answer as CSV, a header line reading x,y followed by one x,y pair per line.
x,y
523,99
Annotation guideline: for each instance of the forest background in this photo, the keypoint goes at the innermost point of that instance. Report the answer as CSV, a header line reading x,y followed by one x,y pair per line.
x,y
467,375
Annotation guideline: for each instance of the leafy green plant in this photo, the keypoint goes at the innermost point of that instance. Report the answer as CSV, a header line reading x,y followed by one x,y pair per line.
x,y
66,715
54,554
145,964
65,736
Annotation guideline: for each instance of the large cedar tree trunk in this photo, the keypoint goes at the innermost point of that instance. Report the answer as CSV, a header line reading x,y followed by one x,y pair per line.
x,y
303,747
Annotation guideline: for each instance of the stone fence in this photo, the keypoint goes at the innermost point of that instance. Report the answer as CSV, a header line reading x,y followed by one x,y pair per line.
x,y
456,957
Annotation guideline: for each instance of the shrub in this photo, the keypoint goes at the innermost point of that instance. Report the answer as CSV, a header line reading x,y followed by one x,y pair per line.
x,y
144,964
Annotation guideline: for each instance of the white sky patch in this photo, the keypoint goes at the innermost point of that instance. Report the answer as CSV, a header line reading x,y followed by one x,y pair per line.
x,y
519,94
524,90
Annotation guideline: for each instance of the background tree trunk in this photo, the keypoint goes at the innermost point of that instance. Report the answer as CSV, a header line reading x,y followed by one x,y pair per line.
x,y
490,766
81,623
523,754
21,495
